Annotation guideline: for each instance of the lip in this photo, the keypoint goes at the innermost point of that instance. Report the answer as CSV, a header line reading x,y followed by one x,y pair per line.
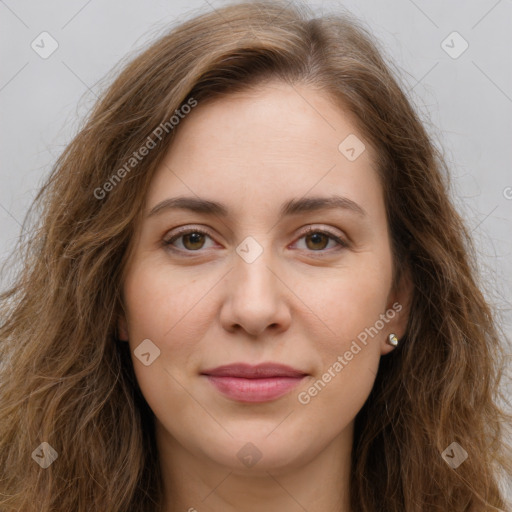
x,y
247,383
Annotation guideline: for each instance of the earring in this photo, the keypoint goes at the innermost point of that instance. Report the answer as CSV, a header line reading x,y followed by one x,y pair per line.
x,y
393,340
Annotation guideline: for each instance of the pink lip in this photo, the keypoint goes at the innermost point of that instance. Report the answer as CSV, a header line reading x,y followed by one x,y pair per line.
x,y
260,383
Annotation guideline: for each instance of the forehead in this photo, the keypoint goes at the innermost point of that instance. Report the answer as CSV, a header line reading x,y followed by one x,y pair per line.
x,y
261,146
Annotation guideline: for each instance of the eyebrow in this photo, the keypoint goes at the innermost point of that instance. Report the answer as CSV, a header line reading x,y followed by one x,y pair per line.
x,y
291,207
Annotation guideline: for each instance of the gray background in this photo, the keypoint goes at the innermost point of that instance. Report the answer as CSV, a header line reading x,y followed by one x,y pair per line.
x,y
465,101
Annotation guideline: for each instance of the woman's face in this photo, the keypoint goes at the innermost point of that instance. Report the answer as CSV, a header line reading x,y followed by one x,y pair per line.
x,y
249,287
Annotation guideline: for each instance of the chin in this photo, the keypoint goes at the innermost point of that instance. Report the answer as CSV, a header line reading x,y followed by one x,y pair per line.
x,y
253,450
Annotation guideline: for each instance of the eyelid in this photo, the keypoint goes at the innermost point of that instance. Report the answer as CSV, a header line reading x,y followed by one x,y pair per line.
x,y
316,228
185,230
311,228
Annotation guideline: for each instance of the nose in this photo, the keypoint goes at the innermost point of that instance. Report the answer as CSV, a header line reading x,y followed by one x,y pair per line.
x,y
256,297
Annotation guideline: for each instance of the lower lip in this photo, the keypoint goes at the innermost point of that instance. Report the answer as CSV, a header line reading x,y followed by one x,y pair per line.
x,y
254,390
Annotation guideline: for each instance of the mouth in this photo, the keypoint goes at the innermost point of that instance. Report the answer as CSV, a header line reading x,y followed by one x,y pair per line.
x,y
261,383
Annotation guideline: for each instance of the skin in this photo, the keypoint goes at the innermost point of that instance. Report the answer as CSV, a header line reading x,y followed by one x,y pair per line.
x,y
302,302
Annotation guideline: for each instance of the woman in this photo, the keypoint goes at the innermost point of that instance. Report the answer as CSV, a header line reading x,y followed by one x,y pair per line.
x,y
249,290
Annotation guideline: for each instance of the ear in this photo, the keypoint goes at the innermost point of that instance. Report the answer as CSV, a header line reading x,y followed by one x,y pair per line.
x,y
122,328
398,309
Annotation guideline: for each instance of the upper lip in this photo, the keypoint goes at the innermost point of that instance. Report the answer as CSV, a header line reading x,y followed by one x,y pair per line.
x,y
260,371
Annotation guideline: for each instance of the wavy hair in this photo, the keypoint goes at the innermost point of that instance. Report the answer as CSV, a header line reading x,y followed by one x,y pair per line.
x,y
65,378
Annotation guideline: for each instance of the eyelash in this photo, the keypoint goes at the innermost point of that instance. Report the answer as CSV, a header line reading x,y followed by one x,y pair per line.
x,y
342,244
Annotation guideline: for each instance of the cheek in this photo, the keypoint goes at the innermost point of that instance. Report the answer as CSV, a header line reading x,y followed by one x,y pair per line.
x,y
351,307
162,303
350,354
354,300
156,311
330,404
163,307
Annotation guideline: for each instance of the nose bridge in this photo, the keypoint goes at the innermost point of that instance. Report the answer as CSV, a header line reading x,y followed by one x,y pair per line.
x,y
252,262
254,299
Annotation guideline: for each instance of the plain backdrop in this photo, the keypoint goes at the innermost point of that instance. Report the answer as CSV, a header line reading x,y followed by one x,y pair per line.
x,y
465,98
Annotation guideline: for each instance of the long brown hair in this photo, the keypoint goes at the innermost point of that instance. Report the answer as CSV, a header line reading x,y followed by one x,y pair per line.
x,y
67,381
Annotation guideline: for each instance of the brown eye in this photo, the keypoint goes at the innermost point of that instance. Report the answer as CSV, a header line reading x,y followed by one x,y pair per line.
x,y
318,241
192,240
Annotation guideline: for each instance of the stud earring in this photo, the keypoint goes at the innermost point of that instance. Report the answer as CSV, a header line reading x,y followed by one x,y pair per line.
x,y
393,340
